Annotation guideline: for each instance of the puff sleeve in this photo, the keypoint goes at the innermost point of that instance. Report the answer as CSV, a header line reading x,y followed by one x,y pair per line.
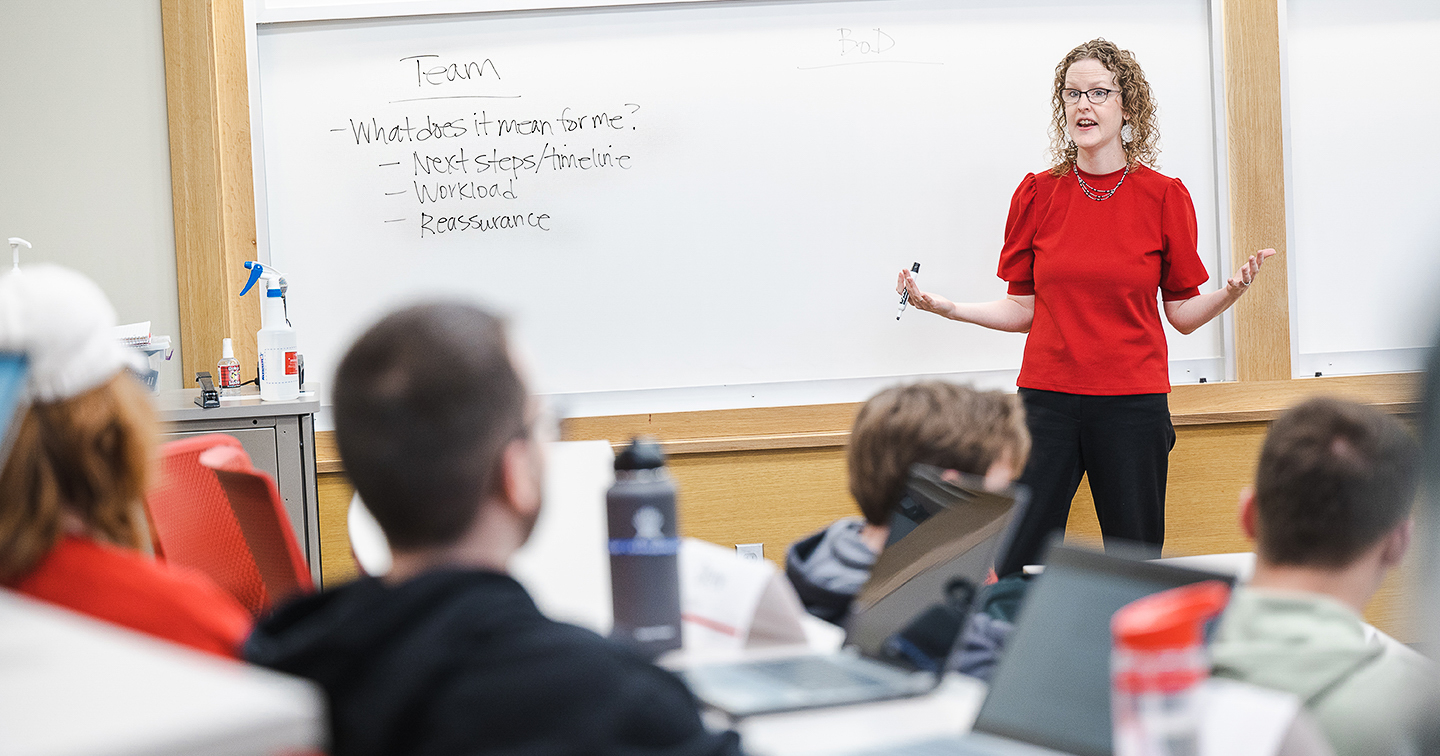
x,y
1181,271
1017,256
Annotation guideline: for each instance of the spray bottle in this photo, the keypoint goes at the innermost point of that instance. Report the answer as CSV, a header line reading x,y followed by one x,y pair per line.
x,y
15,244
279,359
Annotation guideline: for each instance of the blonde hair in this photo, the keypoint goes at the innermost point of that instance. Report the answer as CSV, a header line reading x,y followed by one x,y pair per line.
x,y
1136,102
937,423
89,455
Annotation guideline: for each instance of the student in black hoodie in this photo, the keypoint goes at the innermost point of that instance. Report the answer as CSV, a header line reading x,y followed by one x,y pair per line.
x,y
448,654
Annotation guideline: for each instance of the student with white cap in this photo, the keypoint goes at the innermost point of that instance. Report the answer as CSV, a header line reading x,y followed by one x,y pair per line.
x,y
71,487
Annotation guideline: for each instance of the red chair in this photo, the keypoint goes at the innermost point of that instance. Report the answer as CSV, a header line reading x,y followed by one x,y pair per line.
x,y
214,512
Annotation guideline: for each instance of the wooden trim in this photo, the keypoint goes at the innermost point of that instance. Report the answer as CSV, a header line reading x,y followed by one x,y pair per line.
x,y
769,427
812,427
1256,161
211,178
327,454
1262,401
828,425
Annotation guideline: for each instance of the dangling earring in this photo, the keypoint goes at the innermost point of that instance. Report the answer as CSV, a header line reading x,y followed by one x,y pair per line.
x,y
1126,133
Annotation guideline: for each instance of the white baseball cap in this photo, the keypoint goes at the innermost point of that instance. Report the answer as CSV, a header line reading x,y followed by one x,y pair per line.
x,y
63,322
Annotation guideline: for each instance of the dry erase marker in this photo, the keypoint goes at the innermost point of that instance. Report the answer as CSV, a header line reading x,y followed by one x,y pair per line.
x,y
905,297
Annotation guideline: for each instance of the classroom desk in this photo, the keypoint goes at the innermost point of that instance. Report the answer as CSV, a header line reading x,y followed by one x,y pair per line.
x,y
1240,720
74,685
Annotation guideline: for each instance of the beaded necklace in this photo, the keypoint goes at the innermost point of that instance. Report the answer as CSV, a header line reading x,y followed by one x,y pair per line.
x,y
1096,194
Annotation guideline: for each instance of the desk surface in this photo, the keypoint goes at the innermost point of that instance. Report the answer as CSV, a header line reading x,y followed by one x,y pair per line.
x,y
949,710
1238,720
179,405
73,685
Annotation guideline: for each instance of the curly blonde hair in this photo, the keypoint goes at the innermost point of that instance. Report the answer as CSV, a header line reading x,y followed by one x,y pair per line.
x,y
89,455
1137,103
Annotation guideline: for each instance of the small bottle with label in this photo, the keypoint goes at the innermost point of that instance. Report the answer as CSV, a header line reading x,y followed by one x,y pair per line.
x,y
227,371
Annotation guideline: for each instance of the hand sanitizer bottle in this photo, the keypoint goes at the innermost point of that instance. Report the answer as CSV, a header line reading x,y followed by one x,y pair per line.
x,y
227,370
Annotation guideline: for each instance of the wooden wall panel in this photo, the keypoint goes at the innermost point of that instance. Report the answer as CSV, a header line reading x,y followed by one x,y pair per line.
x,y
769,497
1256,162
212,185
337,563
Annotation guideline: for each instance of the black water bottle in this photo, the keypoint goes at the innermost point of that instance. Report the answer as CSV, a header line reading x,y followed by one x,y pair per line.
x,y
644,542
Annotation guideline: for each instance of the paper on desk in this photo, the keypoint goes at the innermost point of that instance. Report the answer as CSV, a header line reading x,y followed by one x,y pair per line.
x,y
133,334
727,602
1241,719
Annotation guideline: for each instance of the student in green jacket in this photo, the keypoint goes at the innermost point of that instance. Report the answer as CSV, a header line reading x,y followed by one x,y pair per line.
x,y
1330,517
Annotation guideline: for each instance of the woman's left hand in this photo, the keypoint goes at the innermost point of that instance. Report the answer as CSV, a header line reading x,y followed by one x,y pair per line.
x,y
1245,274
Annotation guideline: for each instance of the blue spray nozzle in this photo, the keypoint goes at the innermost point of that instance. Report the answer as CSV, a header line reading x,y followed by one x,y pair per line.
x,y
256,269
259,271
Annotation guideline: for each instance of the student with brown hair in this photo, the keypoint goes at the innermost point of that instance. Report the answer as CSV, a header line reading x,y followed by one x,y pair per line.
x,y
942,424
70,492
1330,517
448,654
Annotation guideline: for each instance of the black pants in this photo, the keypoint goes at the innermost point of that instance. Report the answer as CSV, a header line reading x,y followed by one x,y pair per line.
x,y
1122,442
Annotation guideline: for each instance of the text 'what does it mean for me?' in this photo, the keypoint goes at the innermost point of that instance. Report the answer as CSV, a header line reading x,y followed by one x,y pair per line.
x,y
480,125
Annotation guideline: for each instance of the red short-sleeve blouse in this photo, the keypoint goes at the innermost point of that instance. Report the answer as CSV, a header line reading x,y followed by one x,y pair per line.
x,y
1094,269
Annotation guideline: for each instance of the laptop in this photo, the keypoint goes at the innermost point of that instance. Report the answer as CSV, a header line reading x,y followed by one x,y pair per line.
x,y
918,595
1051,691
964,536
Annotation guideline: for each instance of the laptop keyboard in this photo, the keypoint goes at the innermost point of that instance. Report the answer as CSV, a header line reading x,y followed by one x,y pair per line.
x,y
972,745
940,747
812,673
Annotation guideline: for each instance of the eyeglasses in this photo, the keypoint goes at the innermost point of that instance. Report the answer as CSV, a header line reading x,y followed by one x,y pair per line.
x,y
1095,96
541,423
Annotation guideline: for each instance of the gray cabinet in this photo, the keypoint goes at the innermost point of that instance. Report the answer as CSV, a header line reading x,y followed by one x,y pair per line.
x,y
278,436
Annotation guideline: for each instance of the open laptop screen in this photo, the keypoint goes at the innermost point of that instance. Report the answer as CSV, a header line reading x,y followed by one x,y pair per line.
x,y
1052,687
961,540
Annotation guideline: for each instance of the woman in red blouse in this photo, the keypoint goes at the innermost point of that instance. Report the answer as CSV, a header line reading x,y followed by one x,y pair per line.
x,y
1088,245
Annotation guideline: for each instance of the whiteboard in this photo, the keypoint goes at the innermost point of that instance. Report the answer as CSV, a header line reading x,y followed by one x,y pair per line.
x,y
693,206
1363,157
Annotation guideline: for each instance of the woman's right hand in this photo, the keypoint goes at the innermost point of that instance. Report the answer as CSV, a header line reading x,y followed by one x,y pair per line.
x,y
919,299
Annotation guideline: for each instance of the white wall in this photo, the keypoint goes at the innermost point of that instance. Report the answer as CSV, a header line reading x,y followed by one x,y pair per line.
x,y
84,150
